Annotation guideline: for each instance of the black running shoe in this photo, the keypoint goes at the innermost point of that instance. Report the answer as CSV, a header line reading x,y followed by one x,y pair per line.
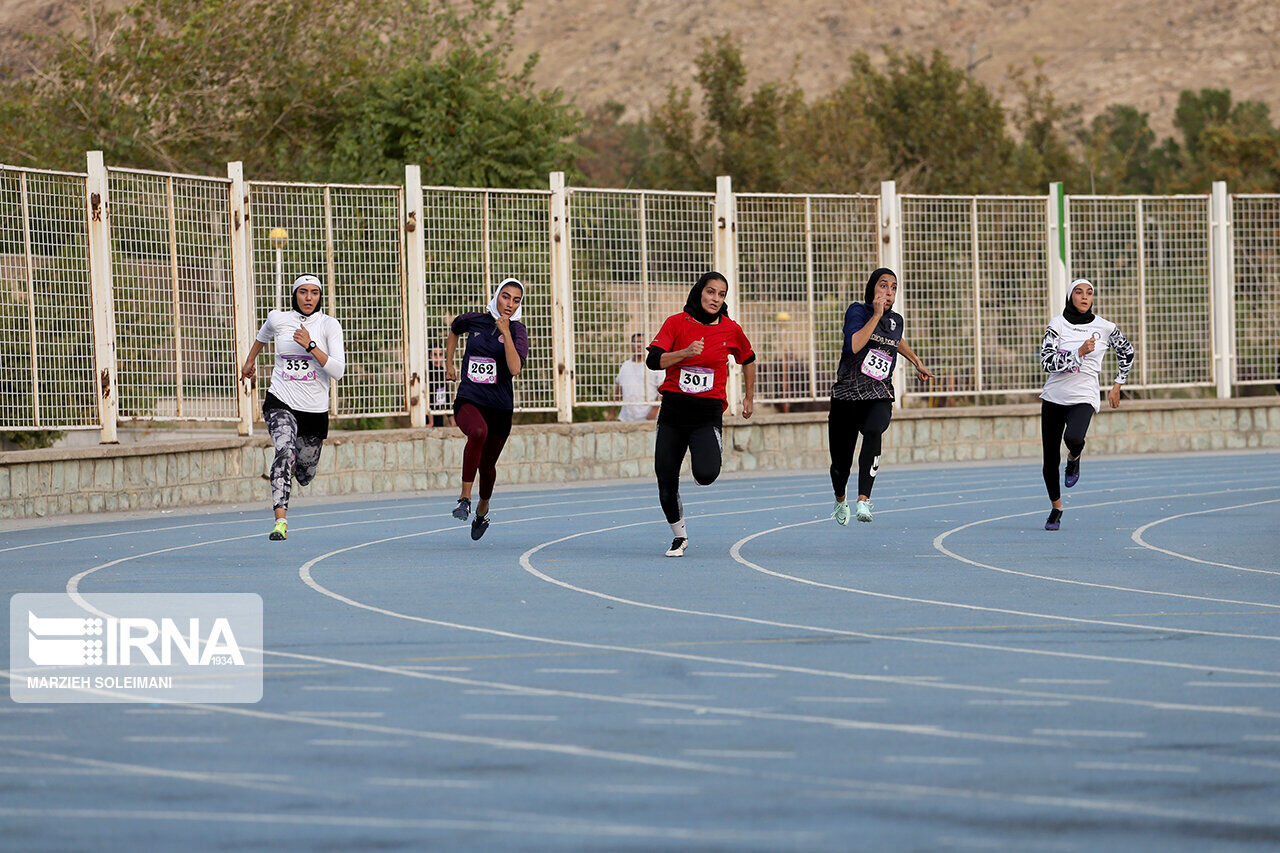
x,y
463,510
1055,519
479,525
1073,472
677,547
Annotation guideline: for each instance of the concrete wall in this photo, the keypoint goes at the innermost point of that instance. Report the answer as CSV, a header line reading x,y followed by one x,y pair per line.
x,y
37,483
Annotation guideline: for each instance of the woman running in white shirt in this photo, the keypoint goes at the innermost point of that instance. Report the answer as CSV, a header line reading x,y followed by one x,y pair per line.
x,y
1072,354
309,353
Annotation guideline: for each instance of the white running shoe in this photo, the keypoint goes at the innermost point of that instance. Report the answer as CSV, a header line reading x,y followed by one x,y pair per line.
x,y
677,547
841,513
864,510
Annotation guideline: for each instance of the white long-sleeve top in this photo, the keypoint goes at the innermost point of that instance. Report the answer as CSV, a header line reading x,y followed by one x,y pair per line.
x,y
1074,379
298,380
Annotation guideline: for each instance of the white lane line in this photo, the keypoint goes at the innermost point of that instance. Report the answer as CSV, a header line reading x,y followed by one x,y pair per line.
x,y
1034,703
853,700
1136,768
673,790
1064,680
579,671
172,739
292,666
941,537
741,753
355,715
360,744
182,712
1137,537
673,696
304,573
387,781
116,768
337,688
1268,738
931,759
514,718
426,668
710,674
672,721
543,825
527,563
1088,733
736,552
504,691
33,737
1231,684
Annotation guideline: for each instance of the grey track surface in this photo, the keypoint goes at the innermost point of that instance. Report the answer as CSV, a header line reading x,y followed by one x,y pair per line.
x,y
950,676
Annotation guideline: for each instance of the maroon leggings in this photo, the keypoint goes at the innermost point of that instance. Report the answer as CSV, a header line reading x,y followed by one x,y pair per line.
x,y
486,429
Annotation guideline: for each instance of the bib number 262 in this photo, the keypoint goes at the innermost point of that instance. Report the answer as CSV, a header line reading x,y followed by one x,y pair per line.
x,y
482,371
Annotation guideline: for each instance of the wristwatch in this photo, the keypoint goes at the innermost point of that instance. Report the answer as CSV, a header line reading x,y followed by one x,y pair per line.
x,y
312,346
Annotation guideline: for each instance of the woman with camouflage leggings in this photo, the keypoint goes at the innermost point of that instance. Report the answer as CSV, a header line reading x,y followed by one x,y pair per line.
x,y
308,354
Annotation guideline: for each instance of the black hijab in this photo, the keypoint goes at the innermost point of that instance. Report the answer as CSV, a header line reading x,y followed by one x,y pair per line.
x,y
693,305
1071,313
869,295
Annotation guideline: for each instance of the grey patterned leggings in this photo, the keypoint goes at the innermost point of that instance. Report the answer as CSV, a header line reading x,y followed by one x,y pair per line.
x,y
296,456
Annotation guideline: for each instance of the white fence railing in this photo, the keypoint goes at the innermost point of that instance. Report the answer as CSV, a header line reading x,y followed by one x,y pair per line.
x,y
132,295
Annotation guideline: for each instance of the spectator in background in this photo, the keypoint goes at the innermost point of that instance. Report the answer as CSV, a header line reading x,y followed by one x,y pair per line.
x,y
438,389
636,386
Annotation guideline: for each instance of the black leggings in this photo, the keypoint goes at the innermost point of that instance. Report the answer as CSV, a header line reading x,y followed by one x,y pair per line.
x,y
1060,424
703,442
847,419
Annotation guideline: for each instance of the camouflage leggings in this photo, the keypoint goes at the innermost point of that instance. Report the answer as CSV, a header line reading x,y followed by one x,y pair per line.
x,y
296,456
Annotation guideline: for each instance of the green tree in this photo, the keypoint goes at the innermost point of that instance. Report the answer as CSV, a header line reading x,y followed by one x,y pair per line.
x,y
1045,128
743,134
463,118
940,126
1220,140
189,84
1118,153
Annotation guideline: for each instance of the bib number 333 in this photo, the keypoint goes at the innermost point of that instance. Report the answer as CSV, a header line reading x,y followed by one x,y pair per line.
x,y
877,364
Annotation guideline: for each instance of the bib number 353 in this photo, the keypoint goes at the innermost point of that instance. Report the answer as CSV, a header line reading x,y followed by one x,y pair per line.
x,y
482,371
697,380
877,364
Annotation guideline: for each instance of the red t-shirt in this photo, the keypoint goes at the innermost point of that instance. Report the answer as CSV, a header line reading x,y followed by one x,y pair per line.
x,y
703,376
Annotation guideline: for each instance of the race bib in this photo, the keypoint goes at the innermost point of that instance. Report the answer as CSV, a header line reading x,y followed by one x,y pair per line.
x,y
297,368
877,364
481,370
697,380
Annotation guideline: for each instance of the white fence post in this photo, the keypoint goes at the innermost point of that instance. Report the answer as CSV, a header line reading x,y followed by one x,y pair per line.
x,y
725,258
1056,237
1224,292
241,292
891,258
415,298
561,300
97,212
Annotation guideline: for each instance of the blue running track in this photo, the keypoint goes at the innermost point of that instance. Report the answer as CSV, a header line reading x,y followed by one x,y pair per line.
x,y
950,676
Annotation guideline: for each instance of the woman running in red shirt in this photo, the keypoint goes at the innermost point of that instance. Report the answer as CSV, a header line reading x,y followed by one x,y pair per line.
x,y
693,347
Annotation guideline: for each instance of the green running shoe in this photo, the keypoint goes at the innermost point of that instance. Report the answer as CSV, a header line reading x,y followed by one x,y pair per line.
x,y
280,531
841,513
864,510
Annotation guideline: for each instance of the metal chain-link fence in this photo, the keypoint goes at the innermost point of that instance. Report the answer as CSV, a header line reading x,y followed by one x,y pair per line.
x,y
46,328
1256,273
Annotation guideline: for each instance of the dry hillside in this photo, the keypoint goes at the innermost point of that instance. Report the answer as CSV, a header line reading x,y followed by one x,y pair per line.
x,y
1141,52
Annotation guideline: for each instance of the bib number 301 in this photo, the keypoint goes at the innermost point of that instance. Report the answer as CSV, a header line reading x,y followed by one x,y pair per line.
x,y
877,364
482,371
697,380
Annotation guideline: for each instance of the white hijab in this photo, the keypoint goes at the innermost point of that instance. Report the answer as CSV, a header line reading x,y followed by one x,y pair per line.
x,y
493,303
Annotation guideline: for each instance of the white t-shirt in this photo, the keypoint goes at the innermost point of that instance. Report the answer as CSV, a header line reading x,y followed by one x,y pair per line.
x,y
1074,379
639,386
298,380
